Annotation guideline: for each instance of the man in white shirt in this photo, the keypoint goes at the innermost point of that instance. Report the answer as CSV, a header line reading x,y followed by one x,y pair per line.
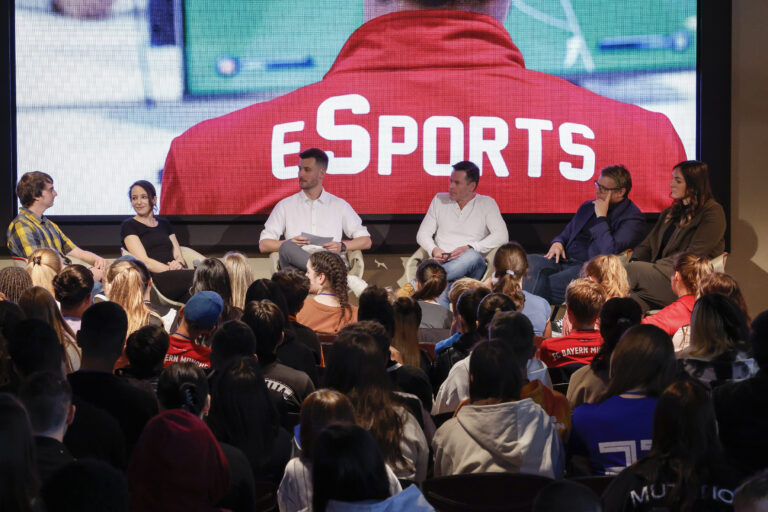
x,y
314,211
461,227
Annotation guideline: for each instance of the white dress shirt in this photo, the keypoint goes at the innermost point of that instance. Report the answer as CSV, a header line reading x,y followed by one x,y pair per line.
x,y
325,216
478,224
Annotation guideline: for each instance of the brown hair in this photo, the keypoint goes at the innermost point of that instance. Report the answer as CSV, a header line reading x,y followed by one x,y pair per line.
x,y
42,266
620,175
72,286
31,186
431,277
14,281
460,286
240,276
717,327
697,191
511,266
334,269
724,284
407,313
608,272
126,286
320,409
692,270
37,302
584,299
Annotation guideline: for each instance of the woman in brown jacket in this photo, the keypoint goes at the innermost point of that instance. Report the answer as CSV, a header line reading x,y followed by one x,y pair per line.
x,y
694,223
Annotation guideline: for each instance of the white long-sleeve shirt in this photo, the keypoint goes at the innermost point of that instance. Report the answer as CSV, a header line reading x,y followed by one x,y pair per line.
x,y
478,224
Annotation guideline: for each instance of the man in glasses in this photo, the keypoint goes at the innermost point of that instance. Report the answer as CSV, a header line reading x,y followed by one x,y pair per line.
x,y
608,224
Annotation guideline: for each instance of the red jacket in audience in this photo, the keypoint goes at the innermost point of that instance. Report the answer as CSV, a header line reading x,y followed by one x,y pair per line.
x,y
674,316
578,347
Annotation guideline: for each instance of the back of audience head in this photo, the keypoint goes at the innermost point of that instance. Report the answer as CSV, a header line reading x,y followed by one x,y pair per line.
x,y
240,276
48,399
430,279
460,286
510,267
376,331
212,275
752,495
13,282
566,495
607,271
295,288
406,338
320,409
19,483
177,465
330,268
718,326
266,321
618,315
102,332
375,304
38,303
127,286
184,386
202,312
643,361
230,341
467,305
146,349
490,378
584,300
347,466
689,271
42,266
72,288
34,347
724,284
514,330
490,305
266,289
107,488
10,316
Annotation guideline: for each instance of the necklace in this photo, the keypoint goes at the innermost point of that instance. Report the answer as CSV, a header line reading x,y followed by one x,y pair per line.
x,y
326,293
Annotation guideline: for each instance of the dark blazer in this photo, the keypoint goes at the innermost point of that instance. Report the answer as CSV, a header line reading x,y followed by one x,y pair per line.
x,y
622,229
703,236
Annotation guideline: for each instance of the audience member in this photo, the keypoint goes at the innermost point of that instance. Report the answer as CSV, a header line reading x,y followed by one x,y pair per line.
x,y
329,310
38,303
177,465
48,400
240,276
243,415
72,288
184,386
199,317
101,336
375,303
86,486
588,383
685,469
737,405
752,495
42,266
407,317
145,350
458,287
13,282
478,438
295,288
430,284
125,285
320,409
212,275
348,468
689,270
510,267
354,367
10,315
642,366
718,352
724,284
566,495
19,482
583,299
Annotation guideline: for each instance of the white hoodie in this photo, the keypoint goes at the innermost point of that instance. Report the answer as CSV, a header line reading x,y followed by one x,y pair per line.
x,y
512,437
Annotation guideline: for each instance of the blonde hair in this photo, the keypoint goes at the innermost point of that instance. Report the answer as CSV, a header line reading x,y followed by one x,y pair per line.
x,y
38,303
460,286
126,286
510,266
407,317
42,267
608,272
240,276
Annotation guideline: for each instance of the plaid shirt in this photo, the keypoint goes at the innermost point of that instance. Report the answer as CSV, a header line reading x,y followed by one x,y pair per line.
x,y
27,233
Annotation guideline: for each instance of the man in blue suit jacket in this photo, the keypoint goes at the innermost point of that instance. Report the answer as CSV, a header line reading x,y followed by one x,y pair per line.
x,y
609,224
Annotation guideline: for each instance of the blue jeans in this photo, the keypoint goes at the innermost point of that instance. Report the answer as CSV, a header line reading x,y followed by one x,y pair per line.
x,y
549,279
470,264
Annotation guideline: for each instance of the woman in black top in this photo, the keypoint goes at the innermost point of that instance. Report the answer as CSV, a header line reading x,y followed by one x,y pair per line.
x,y
153,241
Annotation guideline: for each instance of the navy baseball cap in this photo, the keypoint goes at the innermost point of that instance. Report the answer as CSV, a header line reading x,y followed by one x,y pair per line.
x,y
203,309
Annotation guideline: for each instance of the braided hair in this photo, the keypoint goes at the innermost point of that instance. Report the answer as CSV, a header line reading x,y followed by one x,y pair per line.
x,y
183,386
333,267
14,281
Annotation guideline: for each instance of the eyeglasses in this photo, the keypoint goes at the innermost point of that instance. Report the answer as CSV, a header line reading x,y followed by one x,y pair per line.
x,y
603,189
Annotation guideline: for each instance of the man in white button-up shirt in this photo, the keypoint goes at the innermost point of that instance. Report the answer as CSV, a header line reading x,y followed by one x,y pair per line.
x,y
461,227
312,210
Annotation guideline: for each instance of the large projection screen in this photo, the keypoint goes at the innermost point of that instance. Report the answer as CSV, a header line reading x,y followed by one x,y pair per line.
x,y
541,103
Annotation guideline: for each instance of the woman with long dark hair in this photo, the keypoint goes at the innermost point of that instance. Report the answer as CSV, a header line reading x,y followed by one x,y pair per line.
x,y
329,310
212,275
685,469
694,223
19,483
407,316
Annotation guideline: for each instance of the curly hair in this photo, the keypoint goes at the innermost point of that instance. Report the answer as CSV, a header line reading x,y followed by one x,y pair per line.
x,y
607,271
432,279
42,266
334,269
14,281
510,267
